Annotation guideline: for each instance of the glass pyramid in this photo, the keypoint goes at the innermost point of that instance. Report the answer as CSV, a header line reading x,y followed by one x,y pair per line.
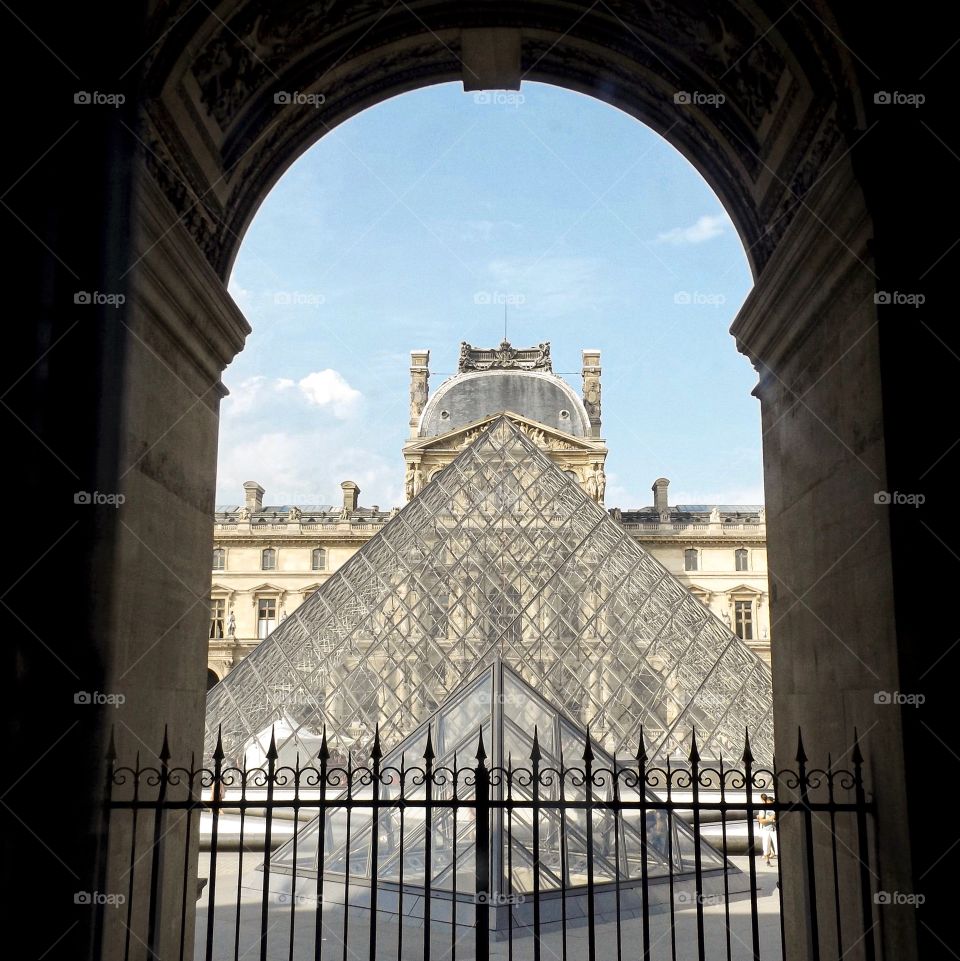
x,y
501,555
509,713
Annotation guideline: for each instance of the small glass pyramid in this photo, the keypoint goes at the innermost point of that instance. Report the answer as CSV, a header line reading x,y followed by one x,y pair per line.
x,y
516,724
500,556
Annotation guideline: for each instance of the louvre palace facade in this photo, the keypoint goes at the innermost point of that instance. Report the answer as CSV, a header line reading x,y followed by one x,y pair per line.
x,y
270,558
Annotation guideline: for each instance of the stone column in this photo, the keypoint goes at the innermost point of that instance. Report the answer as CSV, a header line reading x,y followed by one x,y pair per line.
x,y
810,328
591,389
419,386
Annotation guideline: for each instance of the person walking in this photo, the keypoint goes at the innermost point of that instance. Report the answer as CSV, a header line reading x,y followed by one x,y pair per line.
x,y
767,822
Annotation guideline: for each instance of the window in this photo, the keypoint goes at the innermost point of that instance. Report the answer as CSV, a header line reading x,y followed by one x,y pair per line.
x,y
266,615
219,558
268,560
743,619
318,560
742,557
218,609
691,559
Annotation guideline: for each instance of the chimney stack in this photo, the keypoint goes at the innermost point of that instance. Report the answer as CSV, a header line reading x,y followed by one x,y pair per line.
x,y
419,386
660,503
253,496
591,389
351,496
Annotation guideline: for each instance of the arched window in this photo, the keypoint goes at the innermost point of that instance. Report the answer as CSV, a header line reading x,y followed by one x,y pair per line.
x,y
268,559
742,557
691,559
211,678
318,560
219,558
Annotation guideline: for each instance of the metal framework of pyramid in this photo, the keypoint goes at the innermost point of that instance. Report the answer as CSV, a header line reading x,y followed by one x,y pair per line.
x,y
501,555
510,715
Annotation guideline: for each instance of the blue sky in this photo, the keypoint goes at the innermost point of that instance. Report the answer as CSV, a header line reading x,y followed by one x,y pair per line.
x,y
409,225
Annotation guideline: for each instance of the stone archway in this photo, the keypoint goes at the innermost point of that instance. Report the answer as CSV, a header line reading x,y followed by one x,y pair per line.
x,y
208,141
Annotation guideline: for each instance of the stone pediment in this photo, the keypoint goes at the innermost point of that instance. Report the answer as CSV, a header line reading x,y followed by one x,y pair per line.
x,y
546,438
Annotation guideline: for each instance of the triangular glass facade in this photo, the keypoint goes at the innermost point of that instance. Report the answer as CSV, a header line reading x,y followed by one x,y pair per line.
x,y
508,712
501,555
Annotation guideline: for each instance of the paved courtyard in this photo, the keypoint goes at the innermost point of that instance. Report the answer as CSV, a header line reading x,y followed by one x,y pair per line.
x,y
406,942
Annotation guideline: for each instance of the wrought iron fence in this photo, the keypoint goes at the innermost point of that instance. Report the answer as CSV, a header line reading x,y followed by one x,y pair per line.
x,y
635,859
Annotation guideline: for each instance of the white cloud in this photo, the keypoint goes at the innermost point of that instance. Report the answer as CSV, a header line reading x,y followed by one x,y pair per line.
x,y
243,397
283,383
304,466
706,228
328,388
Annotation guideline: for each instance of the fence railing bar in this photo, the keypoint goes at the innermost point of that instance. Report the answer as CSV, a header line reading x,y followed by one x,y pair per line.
x,y
866,910
272,755
185,880
157,859
482,855
751,846
428,758
294,894
347,865
243,828
535,787
216,796
670,860
323,756
725,851
591,888
808,851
